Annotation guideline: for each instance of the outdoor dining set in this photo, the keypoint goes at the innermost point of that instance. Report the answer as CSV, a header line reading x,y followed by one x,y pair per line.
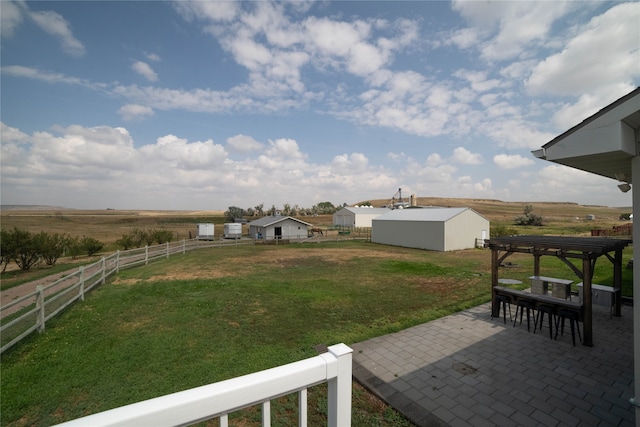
x,y
549,296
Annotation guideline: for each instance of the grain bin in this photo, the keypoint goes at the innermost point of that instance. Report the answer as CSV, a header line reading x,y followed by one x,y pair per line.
x,y
232,231
204,231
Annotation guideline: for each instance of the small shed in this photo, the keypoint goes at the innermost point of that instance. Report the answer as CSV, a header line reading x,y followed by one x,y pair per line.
x,y
438,229
357,216
278,227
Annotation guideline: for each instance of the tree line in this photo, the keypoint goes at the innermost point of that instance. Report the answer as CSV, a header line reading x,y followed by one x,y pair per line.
x,y
28,249
322,208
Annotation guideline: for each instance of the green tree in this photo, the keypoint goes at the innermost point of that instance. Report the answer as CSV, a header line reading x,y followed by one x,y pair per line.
x,y
126,241
52,246
7,248
26,253
74,246
326,208
232,213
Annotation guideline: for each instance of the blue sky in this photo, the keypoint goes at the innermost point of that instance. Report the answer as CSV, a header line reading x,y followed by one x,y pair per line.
x,y
205,105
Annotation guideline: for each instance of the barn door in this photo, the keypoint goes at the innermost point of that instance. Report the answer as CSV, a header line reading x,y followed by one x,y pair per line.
x,y
277,232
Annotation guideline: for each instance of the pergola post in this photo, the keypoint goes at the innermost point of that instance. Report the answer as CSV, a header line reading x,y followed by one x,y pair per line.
x,y
617,281
587,318
494,279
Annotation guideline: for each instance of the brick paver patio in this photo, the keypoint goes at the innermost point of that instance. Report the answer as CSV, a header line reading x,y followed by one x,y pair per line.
x,y
469,370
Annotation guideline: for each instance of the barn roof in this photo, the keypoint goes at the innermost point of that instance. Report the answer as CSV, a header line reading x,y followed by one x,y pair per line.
x,y
423,214
270,220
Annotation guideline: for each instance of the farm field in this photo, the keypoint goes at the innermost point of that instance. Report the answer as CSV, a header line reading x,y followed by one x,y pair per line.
x,y
109,225
214,314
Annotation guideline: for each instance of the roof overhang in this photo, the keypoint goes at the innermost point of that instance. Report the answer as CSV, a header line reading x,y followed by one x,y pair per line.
x,y
603,144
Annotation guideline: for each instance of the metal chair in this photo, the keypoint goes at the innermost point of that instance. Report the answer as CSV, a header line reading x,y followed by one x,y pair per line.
x,y
542,310
574,318
521,305
504,301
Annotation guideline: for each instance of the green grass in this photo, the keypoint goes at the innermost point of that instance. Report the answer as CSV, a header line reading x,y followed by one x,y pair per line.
x,y
218,313
236,311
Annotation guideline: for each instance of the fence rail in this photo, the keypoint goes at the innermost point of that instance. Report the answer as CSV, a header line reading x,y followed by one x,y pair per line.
x,y
30,312
22,316
219,399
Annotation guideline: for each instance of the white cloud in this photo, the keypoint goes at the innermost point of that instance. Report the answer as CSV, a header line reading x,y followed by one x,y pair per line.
x,y
213,11
243,144
135,112
177,153
54,24
478,79
562,183
145,70
463,156
614,35
346,164
10,18
506,161
514,25
33,73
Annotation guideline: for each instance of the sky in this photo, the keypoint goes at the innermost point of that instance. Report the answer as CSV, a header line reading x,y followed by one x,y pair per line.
x,y
210,104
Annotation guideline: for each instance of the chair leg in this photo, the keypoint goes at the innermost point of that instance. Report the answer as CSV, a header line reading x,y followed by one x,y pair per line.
x,y
573,332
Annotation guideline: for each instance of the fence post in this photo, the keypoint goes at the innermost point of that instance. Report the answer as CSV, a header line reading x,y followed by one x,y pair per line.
x,y
339,388
104,269
40,307
146,255
184,246
167,249
118,261
81,280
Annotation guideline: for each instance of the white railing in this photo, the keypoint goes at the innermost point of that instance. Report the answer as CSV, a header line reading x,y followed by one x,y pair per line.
x,y
219,399
30,312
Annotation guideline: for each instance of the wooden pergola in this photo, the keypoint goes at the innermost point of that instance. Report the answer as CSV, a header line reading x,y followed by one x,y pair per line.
x,y
587,249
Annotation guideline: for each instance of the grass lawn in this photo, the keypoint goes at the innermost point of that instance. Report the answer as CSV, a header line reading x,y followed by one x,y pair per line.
x,y
215,314
218,313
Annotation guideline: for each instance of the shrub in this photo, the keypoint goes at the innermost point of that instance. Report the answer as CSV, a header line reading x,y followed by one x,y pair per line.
x,y
529,218
91,245
500,230
161,236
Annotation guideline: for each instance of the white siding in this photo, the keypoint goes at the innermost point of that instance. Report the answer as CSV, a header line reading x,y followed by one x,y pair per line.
x,y
357,217
438,229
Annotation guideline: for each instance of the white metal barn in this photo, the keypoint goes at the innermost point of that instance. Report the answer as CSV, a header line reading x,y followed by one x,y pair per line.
x,y
278,227
438,229
357,216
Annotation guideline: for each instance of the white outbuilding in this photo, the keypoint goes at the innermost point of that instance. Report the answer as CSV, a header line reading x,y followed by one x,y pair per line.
x,y
438,229
279,227
357,216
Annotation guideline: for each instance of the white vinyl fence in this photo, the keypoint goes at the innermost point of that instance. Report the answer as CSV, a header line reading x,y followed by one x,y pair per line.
x,y
30,312
219,399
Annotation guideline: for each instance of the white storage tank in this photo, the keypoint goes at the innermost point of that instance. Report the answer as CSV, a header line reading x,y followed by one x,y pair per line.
x,y
232,230
204,231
